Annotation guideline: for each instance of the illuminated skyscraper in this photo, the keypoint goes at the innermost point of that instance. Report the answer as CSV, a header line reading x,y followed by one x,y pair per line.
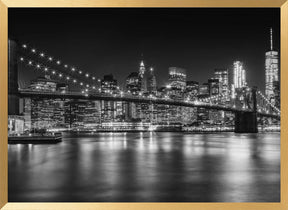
x,y
202,113
151,81
45,113
133,83
239,76
142,69
92,114
108,108
143,76
75,113
239,80
271,68
147,79
48,113
222,76
177,78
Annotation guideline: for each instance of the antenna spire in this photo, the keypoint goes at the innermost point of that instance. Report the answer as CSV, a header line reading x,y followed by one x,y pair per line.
x,y
271,39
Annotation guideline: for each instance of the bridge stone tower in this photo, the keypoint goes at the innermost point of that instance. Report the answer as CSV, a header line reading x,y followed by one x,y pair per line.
x,y
246,122
13,99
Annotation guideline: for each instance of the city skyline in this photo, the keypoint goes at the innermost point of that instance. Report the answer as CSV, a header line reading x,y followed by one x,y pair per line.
x,y
121,65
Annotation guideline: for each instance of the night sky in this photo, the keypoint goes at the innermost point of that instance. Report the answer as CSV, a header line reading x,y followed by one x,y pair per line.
x,y
103,41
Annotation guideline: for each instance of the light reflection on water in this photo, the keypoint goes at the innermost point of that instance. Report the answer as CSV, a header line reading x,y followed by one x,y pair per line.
x,y
148,166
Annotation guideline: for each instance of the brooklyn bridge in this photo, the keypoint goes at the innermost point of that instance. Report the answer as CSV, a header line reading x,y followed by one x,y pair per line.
x,y
248,108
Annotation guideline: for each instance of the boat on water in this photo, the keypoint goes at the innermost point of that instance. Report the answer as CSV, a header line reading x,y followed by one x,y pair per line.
x,y
47,138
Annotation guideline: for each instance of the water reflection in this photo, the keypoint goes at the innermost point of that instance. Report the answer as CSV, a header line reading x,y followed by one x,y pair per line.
x,y
148,166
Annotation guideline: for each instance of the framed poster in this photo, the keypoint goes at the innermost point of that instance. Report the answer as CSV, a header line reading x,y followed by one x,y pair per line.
x,y
163,105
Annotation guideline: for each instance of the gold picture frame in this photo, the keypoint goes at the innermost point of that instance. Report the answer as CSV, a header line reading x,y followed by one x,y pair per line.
x,y
5,4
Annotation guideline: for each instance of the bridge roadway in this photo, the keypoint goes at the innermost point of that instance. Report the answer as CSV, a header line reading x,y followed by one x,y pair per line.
x,y
24,93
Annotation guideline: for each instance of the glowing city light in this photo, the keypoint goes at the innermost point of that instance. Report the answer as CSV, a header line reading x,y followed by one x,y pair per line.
x,y
33,50
24,46
213,101
239,75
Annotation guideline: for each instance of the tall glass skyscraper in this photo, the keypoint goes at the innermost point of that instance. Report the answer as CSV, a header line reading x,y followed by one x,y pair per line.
x,y
271,68
222,76
239,76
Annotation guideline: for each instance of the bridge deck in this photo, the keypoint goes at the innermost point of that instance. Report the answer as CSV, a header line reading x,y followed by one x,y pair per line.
x,y
136,99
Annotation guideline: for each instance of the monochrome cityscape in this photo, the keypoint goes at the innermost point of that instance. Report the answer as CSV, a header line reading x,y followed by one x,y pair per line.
x,y
209,106
109,126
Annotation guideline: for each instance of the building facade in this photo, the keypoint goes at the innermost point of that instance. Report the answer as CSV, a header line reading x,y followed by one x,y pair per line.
x,y
177,78
151,81
109,84
271,70
192,90
239,75
223,77
133,83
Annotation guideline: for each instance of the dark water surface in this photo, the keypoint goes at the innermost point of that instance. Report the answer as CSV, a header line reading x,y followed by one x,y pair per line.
x,y
148,167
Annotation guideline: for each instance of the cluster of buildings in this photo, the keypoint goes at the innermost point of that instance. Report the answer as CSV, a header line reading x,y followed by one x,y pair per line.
x,y
85,114
226,87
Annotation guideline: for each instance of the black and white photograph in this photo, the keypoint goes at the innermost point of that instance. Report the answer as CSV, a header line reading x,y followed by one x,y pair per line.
x,y
144,105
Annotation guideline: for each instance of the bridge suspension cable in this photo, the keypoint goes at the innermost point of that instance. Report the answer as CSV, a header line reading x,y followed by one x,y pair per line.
x,y
51,59
268,102
56,73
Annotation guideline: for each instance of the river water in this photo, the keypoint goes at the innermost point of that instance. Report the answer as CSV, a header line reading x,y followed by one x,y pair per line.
x,y
147,167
